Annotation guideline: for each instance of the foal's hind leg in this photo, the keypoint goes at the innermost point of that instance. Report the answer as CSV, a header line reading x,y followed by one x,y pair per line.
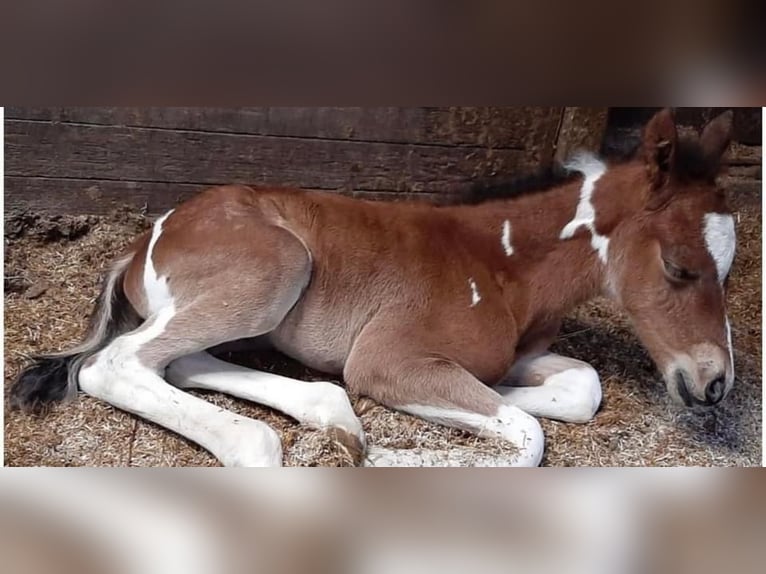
x,y
440,391
123,377
317,404
200,294
554,387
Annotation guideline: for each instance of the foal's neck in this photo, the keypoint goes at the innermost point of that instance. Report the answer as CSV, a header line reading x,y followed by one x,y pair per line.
x,y
551,247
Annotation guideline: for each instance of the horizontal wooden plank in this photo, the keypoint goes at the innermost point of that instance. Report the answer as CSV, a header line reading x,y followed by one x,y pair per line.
x,y
60,150
51,196
91,197
519,128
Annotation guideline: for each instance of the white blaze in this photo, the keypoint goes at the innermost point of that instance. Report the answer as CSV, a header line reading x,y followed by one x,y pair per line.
x,y
585,216
720,240
730,348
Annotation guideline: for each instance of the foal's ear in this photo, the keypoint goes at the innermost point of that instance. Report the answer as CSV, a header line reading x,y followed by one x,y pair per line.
x,y
659,146
716,137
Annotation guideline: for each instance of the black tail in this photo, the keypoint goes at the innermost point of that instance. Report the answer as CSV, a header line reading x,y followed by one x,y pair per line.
x,y
53,378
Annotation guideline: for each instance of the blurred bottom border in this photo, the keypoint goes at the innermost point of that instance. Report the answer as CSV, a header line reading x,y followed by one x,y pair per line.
x,y
382,521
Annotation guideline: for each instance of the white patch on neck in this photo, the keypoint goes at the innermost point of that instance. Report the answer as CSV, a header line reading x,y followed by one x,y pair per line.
x,y
721,241
475,297
592,168
505,240
157,293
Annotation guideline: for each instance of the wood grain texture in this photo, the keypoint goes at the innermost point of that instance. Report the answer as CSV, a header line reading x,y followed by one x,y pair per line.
x,y
581,129
91,160
512,127
53,196
57,150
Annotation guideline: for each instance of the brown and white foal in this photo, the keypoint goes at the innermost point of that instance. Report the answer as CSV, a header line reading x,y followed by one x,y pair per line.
x,y
444,312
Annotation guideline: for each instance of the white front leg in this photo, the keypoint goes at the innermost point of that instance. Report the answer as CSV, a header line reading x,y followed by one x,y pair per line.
x,y
554,387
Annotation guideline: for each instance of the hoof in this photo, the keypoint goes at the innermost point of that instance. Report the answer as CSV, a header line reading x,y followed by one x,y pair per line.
x,y
250,444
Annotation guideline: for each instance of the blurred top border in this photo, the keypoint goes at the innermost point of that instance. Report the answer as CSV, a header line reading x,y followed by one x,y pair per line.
x,y
684,53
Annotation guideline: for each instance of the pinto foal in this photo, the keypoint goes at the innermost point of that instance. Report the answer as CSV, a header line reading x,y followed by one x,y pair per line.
x,y
445,313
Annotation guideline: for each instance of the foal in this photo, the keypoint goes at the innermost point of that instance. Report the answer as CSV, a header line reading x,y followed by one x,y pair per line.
x,y
445,313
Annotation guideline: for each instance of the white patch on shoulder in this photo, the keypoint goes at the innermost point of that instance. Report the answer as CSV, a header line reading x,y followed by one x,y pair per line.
x,y
157,293
505,240
592,168
475,297
721,241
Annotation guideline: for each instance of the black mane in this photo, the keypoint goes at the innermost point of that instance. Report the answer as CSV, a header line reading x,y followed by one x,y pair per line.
x,y
618,147
497,189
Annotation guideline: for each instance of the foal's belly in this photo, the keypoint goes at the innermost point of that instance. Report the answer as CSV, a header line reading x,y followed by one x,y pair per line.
x,y
317,335
316,348
324,340
326,348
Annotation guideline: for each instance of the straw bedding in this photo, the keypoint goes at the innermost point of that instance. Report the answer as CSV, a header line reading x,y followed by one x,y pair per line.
x,y
52,270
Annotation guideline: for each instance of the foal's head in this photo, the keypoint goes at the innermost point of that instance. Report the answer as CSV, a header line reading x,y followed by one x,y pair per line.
x,y
670,259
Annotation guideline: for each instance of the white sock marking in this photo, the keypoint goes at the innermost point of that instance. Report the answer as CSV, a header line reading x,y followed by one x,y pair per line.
x,y
585,216
317,404
156,288
572,395
721,241
475,297
510,423
118,377
505,240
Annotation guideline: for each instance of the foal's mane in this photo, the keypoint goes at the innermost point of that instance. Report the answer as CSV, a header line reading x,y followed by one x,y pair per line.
x,y
499,189
690,163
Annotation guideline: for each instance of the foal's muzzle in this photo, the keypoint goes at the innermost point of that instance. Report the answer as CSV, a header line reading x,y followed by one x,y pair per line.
x,y
715,390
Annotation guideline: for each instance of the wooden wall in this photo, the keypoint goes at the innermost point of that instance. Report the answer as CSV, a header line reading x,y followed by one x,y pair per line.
x,y
91,160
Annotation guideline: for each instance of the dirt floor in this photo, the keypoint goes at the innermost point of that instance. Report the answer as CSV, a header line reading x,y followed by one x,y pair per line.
x,y
52,272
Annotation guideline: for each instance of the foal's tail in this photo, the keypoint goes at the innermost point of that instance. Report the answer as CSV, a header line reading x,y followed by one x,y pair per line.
x,y
53,378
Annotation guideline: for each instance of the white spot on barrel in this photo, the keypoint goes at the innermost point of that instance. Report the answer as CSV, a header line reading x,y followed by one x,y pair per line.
x,y
505,239
475,297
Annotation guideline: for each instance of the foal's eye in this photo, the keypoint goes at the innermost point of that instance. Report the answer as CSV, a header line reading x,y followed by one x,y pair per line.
x,y
676,273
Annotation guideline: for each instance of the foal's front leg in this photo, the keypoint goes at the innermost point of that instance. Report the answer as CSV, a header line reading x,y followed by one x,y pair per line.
x,y
554,387
440,391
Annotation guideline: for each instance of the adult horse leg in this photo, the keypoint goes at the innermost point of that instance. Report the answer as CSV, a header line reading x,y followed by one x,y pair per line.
x,y
553,387
318,404
439,391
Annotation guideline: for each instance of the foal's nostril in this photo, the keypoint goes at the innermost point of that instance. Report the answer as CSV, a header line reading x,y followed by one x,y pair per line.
x,y
714,390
